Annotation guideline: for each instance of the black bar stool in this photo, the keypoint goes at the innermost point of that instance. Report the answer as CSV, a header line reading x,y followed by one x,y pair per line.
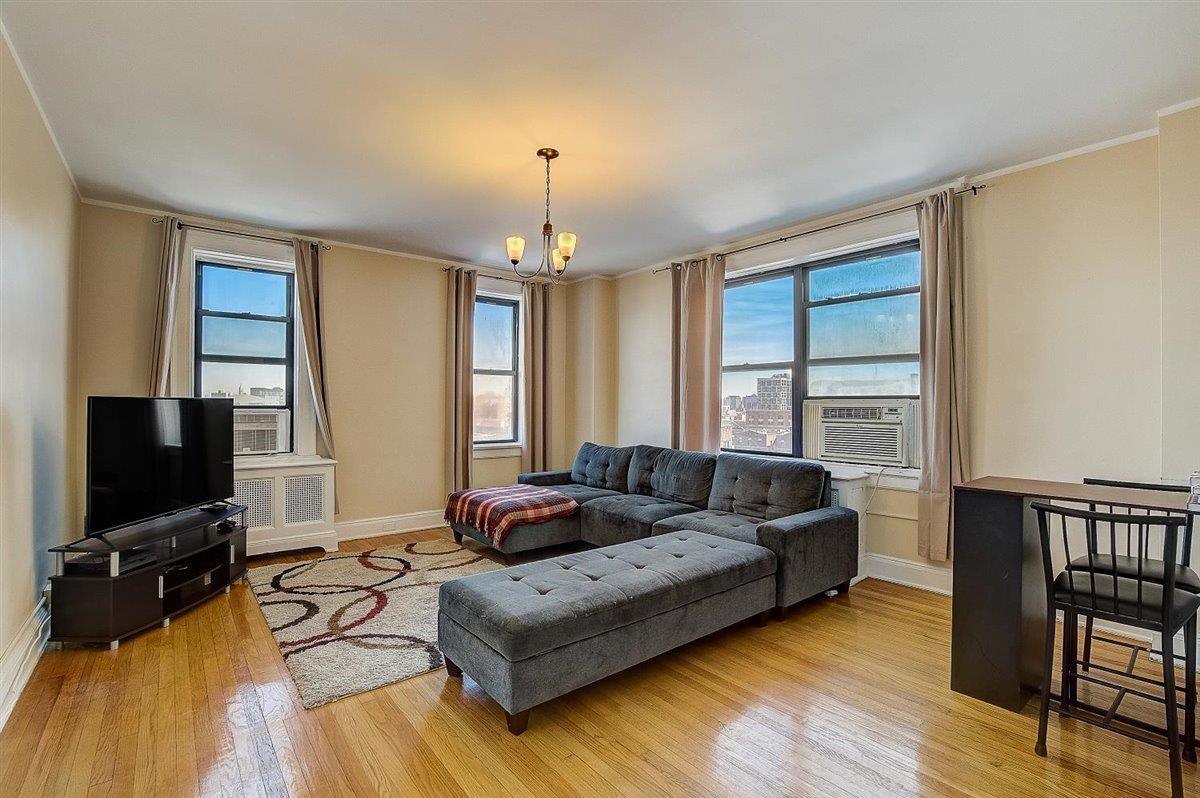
x,y
1095,591
1120,561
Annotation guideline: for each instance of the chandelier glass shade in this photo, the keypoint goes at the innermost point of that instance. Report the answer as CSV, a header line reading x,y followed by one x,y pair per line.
x,y
554,258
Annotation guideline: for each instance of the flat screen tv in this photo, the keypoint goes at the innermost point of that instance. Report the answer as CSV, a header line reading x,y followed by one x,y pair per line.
x,y
152,457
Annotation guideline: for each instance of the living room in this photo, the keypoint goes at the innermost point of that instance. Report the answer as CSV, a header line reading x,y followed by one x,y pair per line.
x,y
761,470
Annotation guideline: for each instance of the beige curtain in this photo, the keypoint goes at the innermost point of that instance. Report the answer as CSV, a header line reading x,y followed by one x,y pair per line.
x,y
535,388
943,374
460,394
164,317
312,326
698,293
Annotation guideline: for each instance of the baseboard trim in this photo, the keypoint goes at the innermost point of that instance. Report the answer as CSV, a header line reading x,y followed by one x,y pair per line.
x,y
20,657
389,525
327,540
910,573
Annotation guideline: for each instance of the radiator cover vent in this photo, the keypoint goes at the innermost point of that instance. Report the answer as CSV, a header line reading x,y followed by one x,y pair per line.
x,y
258,497
303,499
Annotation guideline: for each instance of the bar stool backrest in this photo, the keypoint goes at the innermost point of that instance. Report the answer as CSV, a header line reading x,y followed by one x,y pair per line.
x,y
1122,544
1052,519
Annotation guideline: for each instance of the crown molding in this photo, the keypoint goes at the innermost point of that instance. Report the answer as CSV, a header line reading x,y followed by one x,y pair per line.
x,y
1186,105
37,103
1062,156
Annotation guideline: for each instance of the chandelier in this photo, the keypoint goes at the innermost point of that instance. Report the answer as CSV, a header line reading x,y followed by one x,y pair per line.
x,y
554,259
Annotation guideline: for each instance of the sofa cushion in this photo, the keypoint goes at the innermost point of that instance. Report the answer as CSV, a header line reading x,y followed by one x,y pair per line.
x,y
766,487
582,493
712,522
672,474
533,608
619,519
602,467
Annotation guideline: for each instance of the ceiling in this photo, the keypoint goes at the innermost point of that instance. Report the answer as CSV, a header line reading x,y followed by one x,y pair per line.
x,y
413,127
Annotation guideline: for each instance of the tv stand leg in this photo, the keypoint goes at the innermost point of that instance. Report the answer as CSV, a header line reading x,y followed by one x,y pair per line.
x,y
166,622
112,646
226,588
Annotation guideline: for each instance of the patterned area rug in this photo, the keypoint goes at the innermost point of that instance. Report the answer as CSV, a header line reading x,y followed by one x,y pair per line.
x,y
349,623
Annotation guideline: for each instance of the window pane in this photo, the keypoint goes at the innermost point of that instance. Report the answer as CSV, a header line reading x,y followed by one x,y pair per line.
x,y
869,379
494,419
758,322
889,273
233,290
494,336
884,326
756,410
245,383
243,337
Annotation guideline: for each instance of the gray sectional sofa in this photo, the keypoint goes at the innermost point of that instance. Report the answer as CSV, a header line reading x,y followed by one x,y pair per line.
x,y
634,492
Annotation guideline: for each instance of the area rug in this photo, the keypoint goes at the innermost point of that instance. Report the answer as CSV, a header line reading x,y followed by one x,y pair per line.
x,y
349,623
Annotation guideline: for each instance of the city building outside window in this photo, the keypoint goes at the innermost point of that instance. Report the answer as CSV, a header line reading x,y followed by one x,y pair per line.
x,y
841,327
244,350
496,370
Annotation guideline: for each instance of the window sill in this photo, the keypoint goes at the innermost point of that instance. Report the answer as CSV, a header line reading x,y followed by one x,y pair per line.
x,y
886,477
492,451
251,462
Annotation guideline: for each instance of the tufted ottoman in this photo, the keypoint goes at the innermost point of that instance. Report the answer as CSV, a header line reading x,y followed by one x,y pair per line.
x,y
534,632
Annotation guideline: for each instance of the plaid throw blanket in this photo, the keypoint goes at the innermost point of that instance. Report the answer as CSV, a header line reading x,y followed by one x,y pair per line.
x,y
495,511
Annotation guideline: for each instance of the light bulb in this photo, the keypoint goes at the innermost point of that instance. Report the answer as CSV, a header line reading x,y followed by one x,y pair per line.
x,y
516,248
566,245
560,263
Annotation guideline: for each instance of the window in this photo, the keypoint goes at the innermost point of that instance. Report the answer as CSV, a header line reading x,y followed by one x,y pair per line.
x,y
244,349
845,326
496,368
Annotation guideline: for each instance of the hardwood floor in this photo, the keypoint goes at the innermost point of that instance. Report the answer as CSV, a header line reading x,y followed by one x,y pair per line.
x,y
846,697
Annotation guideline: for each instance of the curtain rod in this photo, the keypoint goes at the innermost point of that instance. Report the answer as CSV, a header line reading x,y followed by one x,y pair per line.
x,y
181,225
972,190
490,276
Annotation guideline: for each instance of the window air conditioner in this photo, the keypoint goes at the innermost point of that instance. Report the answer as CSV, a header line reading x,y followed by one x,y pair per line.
x,y
882,432
261,431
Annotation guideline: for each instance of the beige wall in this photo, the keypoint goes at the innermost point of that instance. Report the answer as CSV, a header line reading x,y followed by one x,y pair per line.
x,y
1063,337
644,358
1065,351
1179,197
37,288
590,401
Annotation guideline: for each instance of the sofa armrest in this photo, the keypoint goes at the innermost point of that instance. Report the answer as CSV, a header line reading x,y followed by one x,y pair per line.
x,y
817,551
545,478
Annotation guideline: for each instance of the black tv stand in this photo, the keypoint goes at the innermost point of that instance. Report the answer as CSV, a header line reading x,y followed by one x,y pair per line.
x,y
110,587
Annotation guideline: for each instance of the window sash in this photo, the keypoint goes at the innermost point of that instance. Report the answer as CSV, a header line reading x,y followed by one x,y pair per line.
x,y
800,328
288,361
513,372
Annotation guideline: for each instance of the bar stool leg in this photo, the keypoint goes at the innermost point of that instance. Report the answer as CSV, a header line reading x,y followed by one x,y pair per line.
x,y
1047,674
1087,644
1070,640
1168,650
1189,693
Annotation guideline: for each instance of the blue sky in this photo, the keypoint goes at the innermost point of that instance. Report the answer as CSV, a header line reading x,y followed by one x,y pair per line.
x,y
237,291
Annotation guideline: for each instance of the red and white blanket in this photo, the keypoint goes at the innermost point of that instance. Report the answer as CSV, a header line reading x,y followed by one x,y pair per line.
x,y
495,511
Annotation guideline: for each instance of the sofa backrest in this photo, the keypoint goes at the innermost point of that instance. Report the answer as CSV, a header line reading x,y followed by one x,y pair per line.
x,y
767,487
602,467
672,474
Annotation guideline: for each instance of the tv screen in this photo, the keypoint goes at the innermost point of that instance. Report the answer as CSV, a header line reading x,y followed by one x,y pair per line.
x,y
150,457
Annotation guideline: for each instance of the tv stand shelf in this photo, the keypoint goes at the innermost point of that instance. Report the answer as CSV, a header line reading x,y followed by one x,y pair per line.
x,y
110,587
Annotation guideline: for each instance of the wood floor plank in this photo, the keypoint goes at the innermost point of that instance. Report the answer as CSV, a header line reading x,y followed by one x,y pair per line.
x,y
847,697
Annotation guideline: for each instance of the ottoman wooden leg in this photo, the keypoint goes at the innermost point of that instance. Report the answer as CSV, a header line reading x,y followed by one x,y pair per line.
x,y
519,722
457,537
779,613
451,668
762,617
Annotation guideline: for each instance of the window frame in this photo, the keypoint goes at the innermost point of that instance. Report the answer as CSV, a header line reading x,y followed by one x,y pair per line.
x,y
288,361
514,373
801,305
